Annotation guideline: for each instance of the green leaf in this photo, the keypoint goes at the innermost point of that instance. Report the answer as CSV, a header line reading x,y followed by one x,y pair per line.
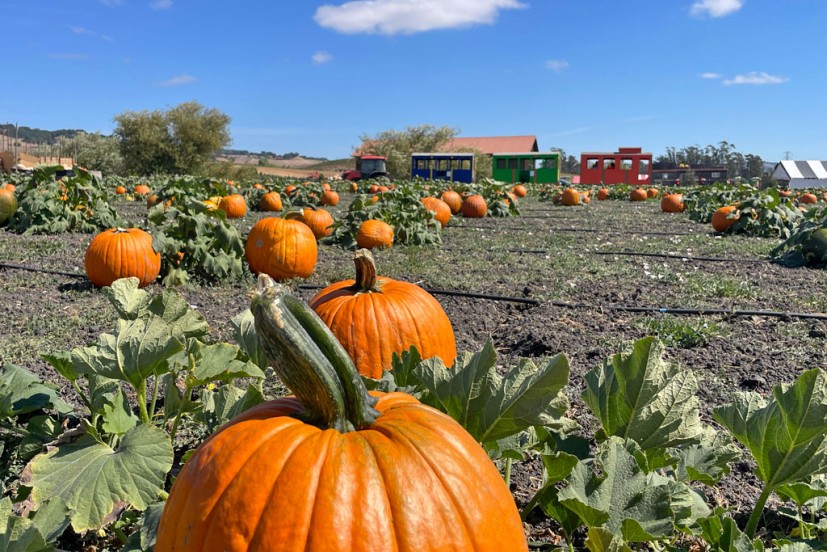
x,y
721,534
403,367
803,492
41,430
117,415
22,392
638,396
244,333
622,498
140,350
62,363
600,539
32,534
218,363
184,321
227,402
96,481
127,299
708,461
149,525
786,436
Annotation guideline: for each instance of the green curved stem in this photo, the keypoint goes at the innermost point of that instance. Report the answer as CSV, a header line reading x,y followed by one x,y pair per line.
x,y
309,360
755,517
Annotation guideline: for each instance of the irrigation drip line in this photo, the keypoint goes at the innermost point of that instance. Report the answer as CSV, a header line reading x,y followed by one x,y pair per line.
x,y
469,294
578,230
43,270
681,257
702,312
514,250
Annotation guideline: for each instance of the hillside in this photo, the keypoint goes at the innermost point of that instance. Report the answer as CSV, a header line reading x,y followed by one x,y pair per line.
x,y
37,136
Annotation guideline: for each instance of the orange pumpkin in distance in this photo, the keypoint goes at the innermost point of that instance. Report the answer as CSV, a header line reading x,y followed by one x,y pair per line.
x,y
331,198
271,201
281,248
120,190
652,192
440,209
602,194
571,197
234,205
453,200
808,199
639,194
519,190
374,234
721,222
141,189
9,187
672,203
318,220
474,207
122,253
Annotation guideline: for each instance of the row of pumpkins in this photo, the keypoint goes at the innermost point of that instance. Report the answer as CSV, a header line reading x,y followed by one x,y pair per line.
x,y
670,203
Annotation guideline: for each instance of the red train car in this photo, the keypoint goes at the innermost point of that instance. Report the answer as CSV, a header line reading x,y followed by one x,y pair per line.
x,y
630,166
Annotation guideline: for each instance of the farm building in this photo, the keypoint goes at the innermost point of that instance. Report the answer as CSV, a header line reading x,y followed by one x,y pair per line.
x,y
625,166
491,145
801,174
677,175
11,161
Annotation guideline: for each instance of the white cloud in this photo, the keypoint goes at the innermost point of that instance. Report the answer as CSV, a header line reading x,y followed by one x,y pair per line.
x,y
756,77
710,75
80,30
716,8
161,4
178,81
390,17
557,65
322,57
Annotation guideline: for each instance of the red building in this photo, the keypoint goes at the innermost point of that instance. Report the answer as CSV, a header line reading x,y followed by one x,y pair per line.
x,y
625,166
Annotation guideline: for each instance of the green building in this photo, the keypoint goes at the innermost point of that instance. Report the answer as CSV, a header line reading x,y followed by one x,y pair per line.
x,y
537,168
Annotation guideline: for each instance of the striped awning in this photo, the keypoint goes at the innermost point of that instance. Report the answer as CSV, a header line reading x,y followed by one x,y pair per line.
x,y
809,170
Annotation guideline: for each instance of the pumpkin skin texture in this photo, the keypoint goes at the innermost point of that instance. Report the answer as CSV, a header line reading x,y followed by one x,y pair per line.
x,y
639,194
474,207
233,205
8,204
453,200
720,222
407,315
319,221
122,253
571,197
281,248
442,213
373,234
672,203
271,201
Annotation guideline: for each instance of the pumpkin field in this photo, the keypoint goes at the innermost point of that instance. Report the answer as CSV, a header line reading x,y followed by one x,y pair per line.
x,y
601,369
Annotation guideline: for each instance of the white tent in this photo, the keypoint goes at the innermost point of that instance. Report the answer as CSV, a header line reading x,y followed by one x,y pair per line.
x,y
801,174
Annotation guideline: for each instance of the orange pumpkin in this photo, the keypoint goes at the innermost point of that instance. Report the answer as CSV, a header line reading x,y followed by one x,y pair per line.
x,y
720,220
335,468
808,198
271,201
519,190
373,189
8,204
329,197
122,253
439,208
453,200
9,187
318,220
234,205
281,248
652,192
672,203
639,194
290,190
354,187
785,193
602,194
474,207
571,197
326,187
374,233
120,190
258,186
142,189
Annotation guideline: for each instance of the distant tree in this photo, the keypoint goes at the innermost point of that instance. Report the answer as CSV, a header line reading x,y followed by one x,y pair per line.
x,y
95,152
180,140
755,166
398,145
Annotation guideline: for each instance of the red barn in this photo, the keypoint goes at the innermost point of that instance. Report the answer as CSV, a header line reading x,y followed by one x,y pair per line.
x,y
626,166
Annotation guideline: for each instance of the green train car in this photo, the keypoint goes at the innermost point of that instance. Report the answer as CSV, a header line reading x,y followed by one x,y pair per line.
x,y
537,168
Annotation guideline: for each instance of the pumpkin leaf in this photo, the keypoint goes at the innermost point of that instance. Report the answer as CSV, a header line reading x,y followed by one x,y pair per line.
x,y
22,392
613,491
62,363
636,395
708,461
227,402
126,297
810,492
244,333
149,525
722,534
96,481
19,534
117,415
492,407
185,321
219,362
600,539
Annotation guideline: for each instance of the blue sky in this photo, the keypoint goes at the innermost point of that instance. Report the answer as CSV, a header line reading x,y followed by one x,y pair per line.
x,y
313,76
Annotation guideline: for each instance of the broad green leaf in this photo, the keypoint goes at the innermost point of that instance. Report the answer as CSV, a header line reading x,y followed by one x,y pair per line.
x,y
218,363
638,396
22,392
622,498
140,350
786,435
227,402
18,534
127,298
244,333
184,321
403,367
721,534
101,391
600,539
117,415
803,492
707,461
149,525
62,363
41,430
95,481
51,519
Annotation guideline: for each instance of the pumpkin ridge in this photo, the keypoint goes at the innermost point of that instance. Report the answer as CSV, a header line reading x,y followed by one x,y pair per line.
x,y
414,317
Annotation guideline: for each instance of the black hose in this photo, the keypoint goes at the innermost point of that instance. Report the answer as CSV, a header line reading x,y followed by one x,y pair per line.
x,y
450,293
43,270
702,312
579,230
681,257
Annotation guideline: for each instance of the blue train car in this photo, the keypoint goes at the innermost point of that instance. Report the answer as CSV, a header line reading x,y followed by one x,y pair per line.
x,y
454,167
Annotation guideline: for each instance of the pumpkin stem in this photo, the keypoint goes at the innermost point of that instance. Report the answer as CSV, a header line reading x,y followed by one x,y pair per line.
x,y
366,280
309,360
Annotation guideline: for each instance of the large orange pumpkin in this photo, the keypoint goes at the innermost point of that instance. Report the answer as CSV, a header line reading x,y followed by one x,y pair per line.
x,y
8,204
335,468
519,190
639,194
453,200
439,208
281,248
318,220
720,220
407,315
142,189
234,205
652,192
808,198
271,201
374,233
474,207
571,197
329,197
122,253
672,203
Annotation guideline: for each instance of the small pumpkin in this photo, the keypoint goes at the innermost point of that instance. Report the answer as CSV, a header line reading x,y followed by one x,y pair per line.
x,y
407,314
326,187
453,200
570,197
519,190
354,187
141,189
720,219
639,194
258,186
318,220
8,204
672,203
281,248
652,192
271,201
290,190
440,209
374,233
329,197
808,199
474,207
785,193
8,186
373,189
602,194
234,205
120,190
333,467
122,253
